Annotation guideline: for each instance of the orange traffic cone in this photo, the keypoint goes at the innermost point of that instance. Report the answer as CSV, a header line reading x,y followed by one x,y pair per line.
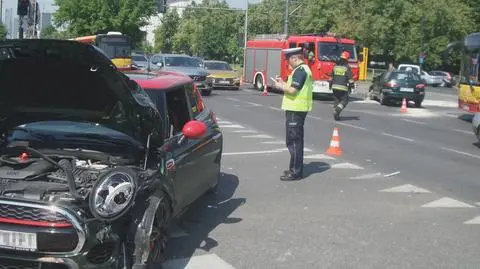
x,y
265,92
334,148
404,106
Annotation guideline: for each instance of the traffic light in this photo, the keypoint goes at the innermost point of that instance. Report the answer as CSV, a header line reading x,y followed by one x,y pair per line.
x,y
22,7
161,6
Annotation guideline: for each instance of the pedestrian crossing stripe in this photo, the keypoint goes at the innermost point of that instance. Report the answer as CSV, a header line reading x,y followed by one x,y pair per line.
x,y
406,188
245,131
274,142
319,157
231,126
447,202
261,136
207,261
475,220
368,176
346,166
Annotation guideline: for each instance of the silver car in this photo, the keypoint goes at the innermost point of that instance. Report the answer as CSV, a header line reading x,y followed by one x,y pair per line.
x,y
476,125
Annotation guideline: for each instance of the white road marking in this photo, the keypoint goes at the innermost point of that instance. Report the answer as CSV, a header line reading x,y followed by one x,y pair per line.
x,y
261,136
365,101
351,125
223,122
368,176
346,166
315,118
177,232
392,174
475,220
398,137
414,121
207,261
461,152
439,103
307,150
246,131
275,108
463,131
253,152
477,203
319,157
232,99
406,188
253,104
447,202
232,126
273,142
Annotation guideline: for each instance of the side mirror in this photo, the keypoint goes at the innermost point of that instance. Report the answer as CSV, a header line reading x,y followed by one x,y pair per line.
x,y
194,129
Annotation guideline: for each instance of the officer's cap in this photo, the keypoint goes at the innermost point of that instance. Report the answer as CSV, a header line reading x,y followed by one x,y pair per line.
x,y
292,51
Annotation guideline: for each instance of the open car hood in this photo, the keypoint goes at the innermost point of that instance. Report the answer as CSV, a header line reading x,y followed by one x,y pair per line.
x,y
48,80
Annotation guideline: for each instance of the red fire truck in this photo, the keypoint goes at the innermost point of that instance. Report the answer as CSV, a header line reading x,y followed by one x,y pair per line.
x,y
264,58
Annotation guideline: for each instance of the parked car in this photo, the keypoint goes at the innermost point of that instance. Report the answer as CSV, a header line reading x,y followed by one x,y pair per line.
x,y
139,61
191,66
222,75
396,85
447,78
90,176
428,78
476,125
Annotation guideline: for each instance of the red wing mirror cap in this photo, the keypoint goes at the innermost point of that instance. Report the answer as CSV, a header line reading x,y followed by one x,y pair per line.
x,y
194,129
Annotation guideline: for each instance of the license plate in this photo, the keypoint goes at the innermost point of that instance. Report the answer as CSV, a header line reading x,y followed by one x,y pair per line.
x,y
321,87
18,240
224,82
406,89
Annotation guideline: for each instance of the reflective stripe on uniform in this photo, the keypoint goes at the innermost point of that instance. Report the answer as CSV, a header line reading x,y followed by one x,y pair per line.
x,y
339,87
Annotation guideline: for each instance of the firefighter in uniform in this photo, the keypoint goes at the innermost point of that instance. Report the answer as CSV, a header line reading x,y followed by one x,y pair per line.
x,y
297,102
341,84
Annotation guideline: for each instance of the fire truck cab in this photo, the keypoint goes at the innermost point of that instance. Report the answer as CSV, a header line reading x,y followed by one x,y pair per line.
x,y
264,58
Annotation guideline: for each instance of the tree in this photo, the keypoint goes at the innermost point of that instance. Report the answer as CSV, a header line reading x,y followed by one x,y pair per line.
x,y
87,17
51,32
3,32
165,33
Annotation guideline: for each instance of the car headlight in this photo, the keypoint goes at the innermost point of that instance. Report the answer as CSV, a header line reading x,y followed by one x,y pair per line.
x,y
113,194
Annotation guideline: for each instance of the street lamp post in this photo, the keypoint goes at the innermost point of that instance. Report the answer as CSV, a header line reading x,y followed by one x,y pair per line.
x,y
285,25
245,36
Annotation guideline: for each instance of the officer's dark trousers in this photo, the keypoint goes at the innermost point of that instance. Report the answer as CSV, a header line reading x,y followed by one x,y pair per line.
x,y
294,126
341,99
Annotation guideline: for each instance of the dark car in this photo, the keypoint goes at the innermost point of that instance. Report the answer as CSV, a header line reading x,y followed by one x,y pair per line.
x,y
190,66
396,85
139,61
90,174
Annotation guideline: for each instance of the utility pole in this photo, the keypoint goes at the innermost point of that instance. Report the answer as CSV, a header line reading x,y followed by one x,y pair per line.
x,y
1,11
287,2
245,36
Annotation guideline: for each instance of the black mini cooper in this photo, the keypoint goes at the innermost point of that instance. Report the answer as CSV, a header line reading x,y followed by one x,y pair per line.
x,y
92,169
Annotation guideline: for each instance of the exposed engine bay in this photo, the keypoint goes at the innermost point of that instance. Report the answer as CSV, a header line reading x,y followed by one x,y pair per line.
x,y
29,174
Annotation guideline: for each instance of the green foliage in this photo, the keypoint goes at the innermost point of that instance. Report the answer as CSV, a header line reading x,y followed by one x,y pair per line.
x,y
51,32
165,33
87,17
3,32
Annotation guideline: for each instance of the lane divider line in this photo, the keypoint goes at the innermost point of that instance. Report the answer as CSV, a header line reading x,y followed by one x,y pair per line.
x,y
461,152
398,137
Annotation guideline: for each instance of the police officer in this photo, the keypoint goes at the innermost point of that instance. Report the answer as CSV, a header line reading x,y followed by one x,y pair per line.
x,y
297,102
341,84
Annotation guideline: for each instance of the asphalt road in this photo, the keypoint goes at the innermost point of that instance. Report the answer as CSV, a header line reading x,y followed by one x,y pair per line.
x,y
405,193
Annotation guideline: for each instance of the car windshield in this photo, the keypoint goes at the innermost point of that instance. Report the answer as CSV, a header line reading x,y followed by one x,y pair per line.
x,y
218,66
139,58
331,51
183,61
404,76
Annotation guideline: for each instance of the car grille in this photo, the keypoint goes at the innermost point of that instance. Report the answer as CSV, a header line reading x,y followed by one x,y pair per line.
x,y
31,214
199,78
16,264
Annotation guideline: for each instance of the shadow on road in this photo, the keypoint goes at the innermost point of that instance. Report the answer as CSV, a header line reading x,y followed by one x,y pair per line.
x,y
349,118
466,117
315,168
476,144
203,217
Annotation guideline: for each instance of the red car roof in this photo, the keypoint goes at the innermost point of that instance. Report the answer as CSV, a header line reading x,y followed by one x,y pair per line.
x,y
158,80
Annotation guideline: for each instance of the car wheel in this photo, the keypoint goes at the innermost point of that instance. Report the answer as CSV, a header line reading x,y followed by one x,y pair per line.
x,y
159,237
259,83
382,99
418,104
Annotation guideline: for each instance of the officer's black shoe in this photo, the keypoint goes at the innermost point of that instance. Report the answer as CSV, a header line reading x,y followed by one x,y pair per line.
x,y
286,172
290,177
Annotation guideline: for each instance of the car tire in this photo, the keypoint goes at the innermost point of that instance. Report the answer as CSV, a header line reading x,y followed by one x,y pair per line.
x,y
382,99
259,83
159,236
418,104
